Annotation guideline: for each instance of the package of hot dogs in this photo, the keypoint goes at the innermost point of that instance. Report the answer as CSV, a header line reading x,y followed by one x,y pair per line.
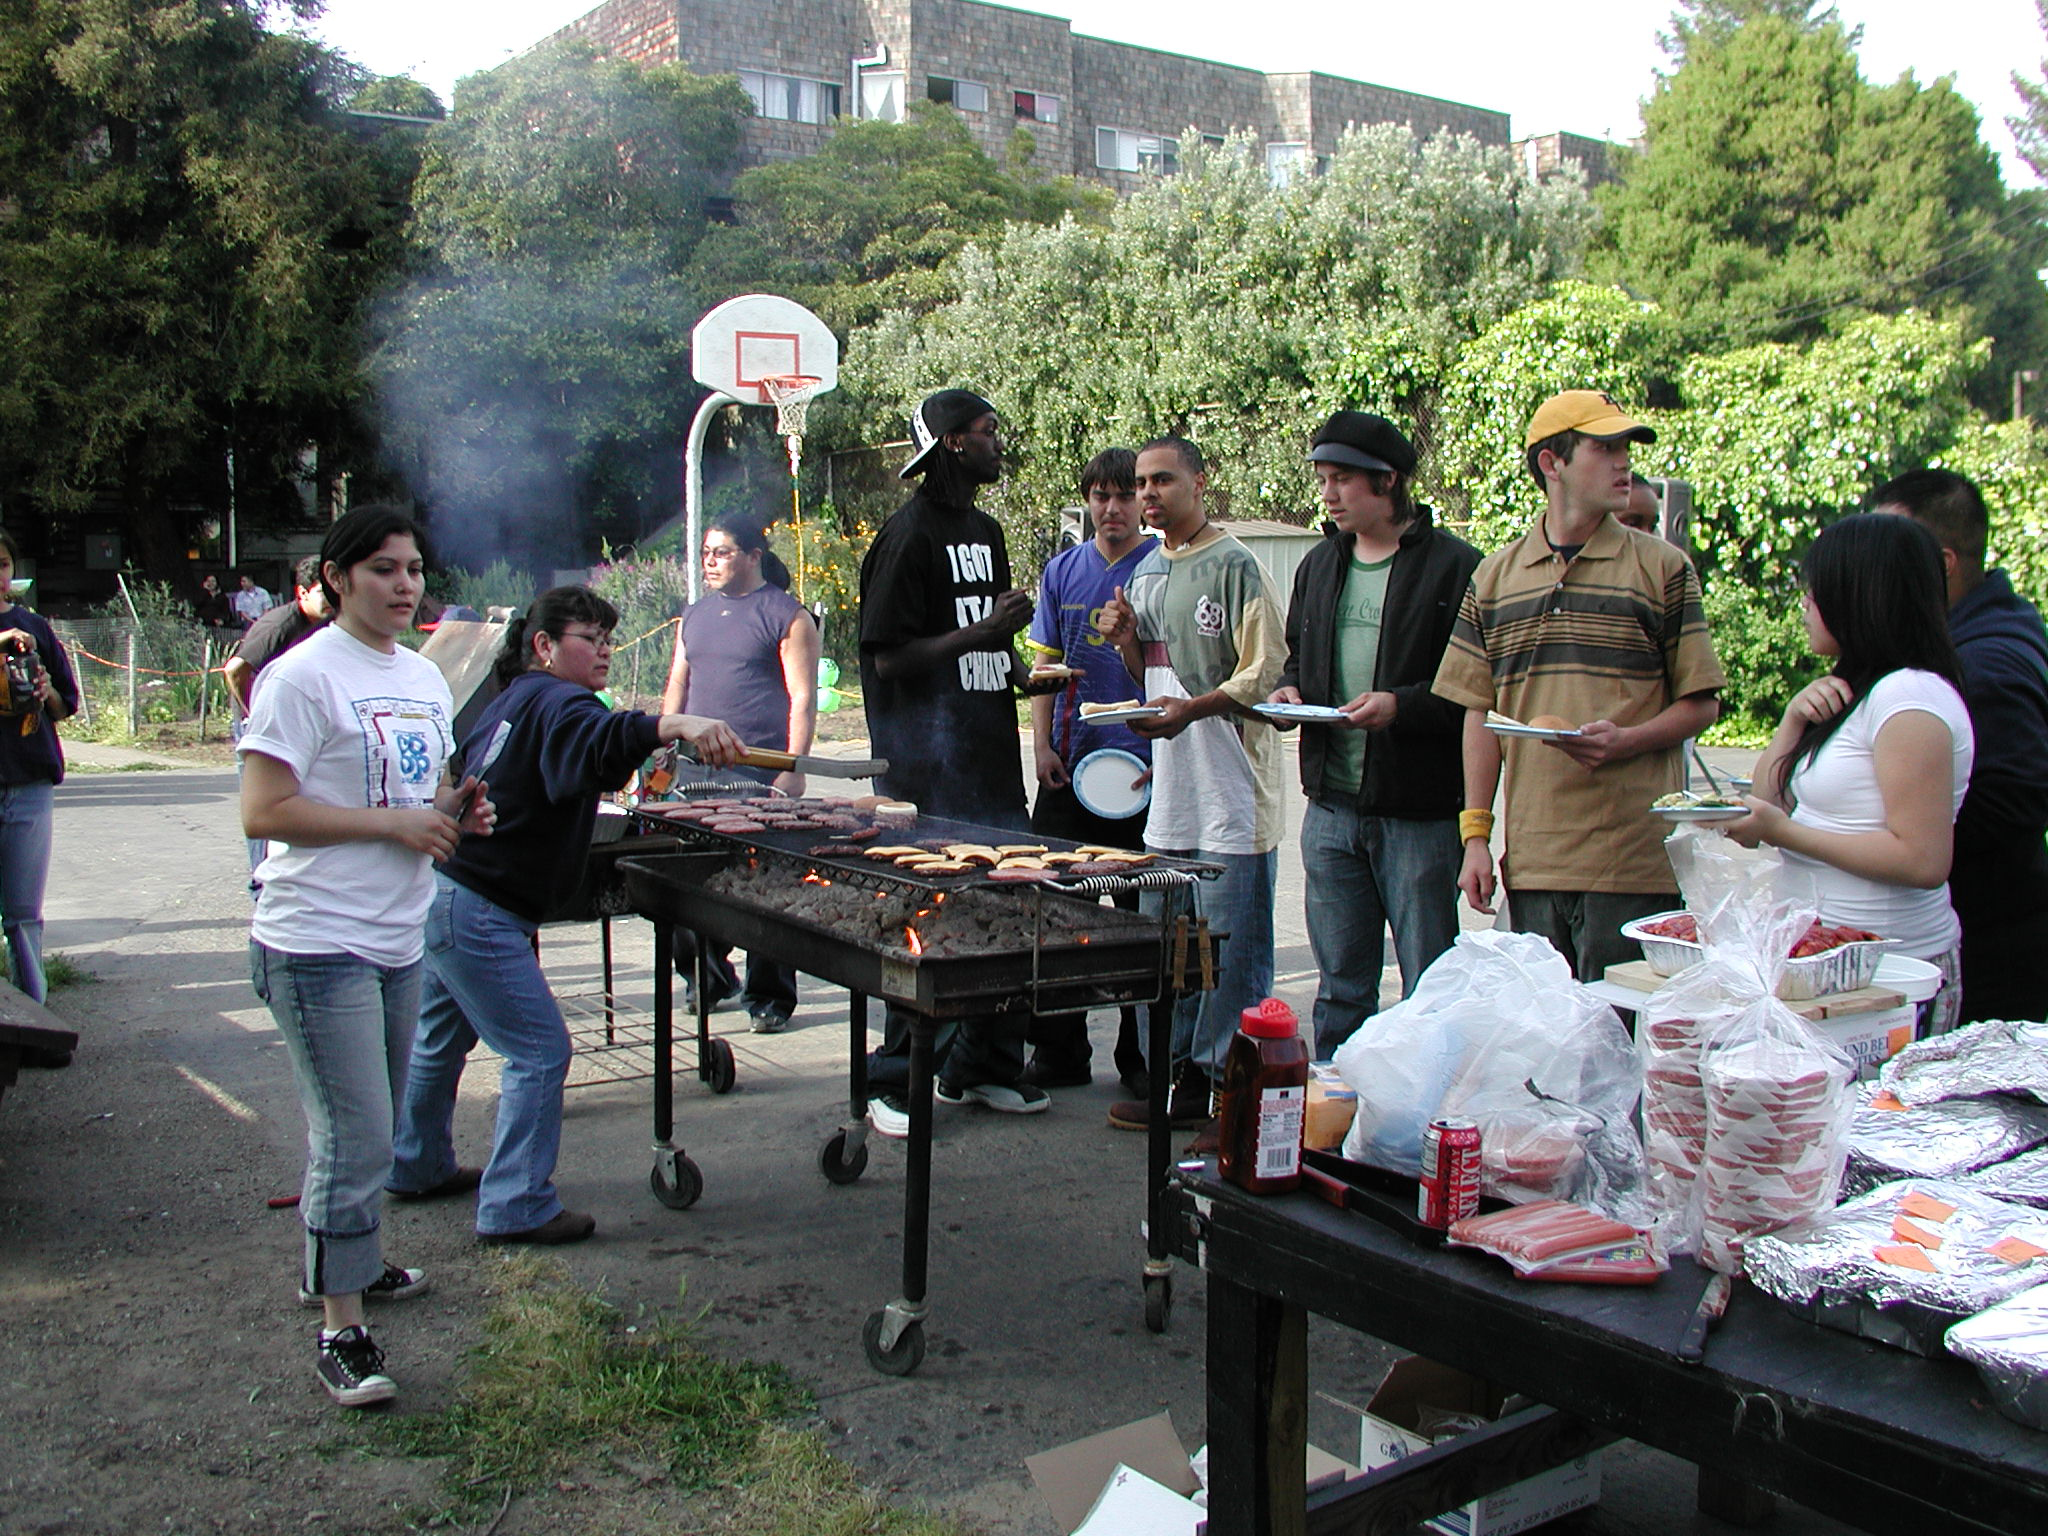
x,y
1996,1056
1904,1262
1554,1240
1949,1138
1744,1105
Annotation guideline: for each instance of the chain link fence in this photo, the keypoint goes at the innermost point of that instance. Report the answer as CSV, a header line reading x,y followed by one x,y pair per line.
x,y
133,674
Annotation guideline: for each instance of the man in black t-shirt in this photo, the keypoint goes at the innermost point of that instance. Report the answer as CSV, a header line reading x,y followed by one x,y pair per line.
x,y
939,674
276,632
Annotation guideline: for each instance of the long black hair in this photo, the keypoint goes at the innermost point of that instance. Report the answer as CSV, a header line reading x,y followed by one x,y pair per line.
x,y
751,534
550,614
1877,582
356,535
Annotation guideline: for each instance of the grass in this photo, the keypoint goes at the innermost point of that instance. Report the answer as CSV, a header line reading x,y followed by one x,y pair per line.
x,y
561,1384
59,971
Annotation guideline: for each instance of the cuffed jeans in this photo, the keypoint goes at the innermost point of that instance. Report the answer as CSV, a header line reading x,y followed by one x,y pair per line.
x,y
484,982
1361,874
348,1024
1239,903
25,815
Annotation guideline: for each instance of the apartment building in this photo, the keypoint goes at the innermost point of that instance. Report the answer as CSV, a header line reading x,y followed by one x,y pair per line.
x,y
1097,109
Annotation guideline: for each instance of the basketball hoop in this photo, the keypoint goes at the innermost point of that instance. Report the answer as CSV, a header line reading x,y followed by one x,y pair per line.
x,y
790,394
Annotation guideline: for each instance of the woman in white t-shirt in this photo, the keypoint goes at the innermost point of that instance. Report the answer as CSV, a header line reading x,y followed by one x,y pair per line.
x,y
345,758
1862,781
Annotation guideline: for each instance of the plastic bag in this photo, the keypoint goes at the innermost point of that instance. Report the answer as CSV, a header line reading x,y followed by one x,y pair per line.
x,y
1744,1106
1499,1031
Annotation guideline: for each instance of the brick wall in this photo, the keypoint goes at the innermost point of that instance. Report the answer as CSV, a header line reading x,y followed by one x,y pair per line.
x,y
1546,154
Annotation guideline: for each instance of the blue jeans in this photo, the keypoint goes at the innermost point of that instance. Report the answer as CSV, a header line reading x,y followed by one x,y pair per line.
x,y
484,982
24,870
1239,902
1359,875
348,1024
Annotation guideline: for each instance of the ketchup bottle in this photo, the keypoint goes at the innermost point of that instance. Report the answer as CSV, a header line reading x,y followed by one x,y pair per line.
x,y
1265,1100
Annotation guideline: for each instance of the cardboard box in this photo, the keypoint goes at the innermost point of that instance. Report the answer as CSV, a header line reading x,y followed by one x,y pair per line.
x,y
1331,1105
1391,1426
1872,1039
1076,1477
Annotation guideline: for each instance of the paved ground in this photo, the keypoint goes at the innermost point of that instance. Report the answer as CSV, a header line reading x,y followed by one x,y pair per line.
x,y
145,1167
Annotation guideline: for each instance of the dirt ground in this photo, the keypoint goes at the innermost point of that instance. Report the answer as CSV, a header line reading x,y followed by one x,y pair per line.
x,y
155,1368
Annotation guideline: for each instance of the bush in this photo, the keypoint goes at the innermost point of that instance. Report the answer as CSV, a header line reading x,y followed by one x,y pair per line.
x,y
1761,640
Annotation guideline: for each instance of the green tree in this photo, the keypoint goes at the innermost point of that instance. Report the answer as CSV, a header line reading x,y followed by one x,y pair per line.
x,y
1218,304
535,378
1779,196
187,239
866,224
2030,125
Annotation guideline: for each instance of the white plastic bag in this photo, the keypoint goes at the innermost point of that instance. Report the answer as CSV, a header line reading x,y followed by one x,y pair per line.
x,y
1499,1031
1745,1107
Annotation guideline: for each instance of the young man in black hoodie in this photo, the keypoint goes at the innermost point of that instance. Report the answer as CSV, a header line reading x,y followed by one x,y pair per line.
x,y
1999,880
1371,613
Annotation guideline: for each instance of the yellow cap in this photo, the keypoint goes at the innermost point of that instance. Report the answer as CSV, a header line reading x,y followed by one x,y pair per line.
x,y
1591,411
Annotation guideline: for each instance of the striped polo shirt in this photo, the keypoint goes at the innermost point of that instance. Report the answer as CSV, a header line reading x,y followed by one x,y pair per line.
x,y
1617,633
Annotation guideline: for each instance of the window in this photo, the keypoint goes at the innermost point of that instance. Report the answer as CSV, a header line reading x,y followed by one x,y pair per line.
x,y
1120,149
1284,162
967,95
789,99
1038,107
881,97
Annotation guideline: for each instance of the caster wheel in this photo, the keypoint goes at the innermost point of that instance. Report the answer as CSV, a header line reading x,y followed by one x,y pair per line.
x,y
837,1166
724,1070
682,1194
1158,1302
906,1357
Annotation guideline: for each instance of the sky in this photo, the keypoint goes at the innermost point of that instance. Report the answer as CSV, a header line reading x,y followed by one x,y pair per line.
x,y
1501,54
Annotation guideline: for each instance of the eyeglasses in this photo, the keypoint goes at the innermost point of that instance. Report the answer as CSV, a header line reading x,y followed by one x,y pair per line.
x,y
720,556
601,641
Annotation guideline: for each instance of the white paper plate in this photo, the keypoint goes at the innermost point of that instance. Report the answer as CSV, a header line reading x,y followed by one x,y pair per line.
x,y
1531,732
1699,812
1105,783
1316,714
1124,716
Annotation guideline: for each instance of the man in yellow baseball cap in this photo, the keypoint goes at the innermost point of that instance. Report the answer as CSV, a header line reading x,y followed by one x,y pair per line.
x,y
1596,636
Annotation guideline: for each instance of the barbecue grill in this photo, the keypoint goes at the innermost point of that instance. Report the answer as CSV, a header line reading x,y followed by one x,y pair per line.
x,y
942,948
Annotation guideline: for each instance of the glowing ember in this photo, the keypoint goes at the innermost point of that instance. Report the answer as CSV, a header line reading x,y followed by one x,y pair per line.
x,y
912,942
814,878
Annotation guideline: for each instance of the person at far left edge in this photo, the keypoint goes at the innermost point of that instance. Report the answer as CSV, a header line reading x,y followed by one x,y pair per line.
x,y
939,675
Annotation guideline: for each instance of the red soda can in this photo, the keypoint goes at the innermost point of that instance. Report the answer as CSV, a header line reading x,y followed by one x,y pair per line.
x,y
1450,1172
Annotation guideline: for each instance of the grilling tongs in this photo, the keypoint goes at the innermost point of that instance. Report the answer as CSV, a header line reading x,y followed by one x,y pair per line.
x,y
823,767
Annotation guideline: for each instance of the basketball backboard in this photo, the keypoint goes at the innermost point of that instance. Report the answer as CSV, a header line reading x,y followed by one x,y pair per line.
x,y
758,336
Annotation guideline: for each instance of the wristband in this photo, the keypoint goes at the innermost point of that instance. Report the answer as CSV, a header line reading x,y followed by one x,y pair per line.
x,y
1473,824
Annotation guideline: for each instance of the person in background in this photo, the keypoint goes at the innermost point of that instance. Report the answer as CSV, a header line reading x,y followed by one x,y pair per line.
x,y
1072,592
549,748
1643,509
1999,883
250,601
37,690
211,607
1371,613
939,677
346,754
1861,784
1537,639
747,653
277,631
1204,630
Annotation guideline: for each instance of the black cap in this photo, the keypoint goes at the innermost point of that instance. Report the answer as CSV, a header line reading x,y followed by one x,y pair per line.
x,y
947,411
1363,441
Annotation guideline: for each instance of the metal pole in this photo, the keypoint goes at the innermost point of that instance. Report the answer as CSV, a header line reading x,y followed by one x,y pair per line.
x,y
693,486
205,671
134,717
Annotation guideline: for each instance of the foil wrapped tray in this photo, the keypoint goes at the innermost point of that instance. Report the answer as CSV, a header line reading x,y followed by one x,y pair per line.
x,y
1844,968
2008,1344
1942,1140
1996,1056
2023,1180
1864,1267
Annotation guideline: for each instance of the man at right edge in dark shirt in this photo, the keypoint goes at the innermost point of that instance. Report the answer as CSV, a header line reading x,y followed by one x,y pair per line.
x,y
1999,881
939,675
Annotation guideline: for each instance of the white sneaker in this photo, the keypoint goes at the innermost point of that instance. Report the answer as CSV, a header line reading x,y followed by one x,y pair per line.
x,y
890,1116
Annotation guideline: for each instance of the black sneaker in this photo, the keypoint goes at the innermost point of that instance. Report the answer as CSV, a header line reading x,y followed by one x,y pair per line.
x,y
351,1368
394,1284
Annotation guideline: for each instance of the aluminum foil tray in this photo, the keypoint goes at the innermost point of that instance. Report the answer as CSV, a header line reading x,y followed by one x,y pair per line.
x,y
1841,969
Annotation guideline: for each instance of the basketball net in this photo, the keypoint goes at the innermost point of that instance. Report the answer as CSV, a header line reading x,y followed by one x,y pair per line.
x,y
790,394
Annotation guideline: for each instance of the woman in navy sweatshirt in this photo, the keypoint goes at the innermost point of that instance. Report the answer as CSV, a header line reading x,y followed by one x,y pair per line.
x,y
548,749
